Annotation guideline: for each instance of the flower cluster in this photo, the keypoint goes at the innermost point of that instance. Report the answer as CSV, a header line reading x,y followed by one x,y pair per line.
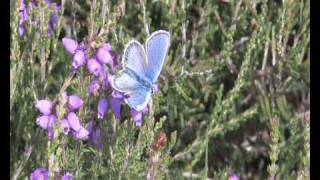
x,y
70,124
24,11
97,66
43,174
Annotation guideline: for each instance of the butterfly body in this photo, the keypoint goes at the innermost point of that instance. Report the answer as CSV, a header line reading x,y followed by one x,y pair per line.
x,y
141,68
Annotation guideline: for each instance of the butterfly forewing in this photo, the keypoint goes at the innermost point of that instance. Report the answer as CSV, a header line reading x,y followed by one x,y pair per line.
x,y
156,48
135,58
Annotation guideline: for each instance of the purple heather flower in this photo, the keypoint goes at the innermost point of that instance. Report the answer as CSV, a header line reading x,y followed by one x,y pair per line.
x,y
82,134
94,87
137,117
90,126
94,67
46,121
74,121
39,174
145,110
23,18
96,137
116,107
233,177
74,102
44,106
106,81
115,102
50,133
103,54
22,30
102,107
116,94
70,45
23,11
67,176
79,59
65,126
115,61
52,23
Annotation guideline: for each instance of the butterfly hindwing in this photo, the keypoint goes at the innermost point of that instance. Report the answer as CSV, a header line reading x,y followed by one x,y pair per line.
x,y
138,99
125,82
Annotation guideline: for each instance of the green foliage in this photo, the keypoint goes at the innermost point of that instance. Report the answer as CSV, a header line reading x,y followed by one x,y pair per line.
x,y
234,95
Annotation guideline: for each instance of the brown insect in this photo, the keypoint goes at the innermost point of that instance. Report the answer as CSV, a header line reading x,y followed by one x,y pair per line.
x,y
160,141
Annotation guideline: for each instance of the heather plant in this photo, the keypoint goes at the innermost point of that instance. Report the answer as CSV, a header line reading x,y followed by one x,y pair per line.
x,y
232,100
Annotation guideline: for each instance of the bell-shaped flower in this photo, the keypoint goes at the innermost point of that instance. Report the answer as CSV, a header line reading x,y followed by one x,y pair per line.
x,y
67,176
70,45
65,126
82,134
46,121
74,102
137,117
94,67
94,87
74,121
79,59
104,55
39,174
102,107
44,106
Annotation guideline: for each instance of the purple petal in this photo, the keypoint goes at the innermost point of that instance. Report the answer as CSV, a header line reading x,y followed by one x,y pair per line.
x,y
46,121
106,81
65,126
145,110
94,87
104,56
67,176
115,62
94,67
44,106
107,46
23,11
97,139
22,31
79,59
43,121
74,102
116,107
50,133
117,94
82,134
74,121
102,107
137,117
70,45
39,174
90,126
233,177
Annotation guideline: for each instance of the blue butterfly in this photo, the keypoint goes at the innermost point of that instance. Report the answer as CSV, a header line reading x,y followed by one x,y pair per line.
x,y
141,69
